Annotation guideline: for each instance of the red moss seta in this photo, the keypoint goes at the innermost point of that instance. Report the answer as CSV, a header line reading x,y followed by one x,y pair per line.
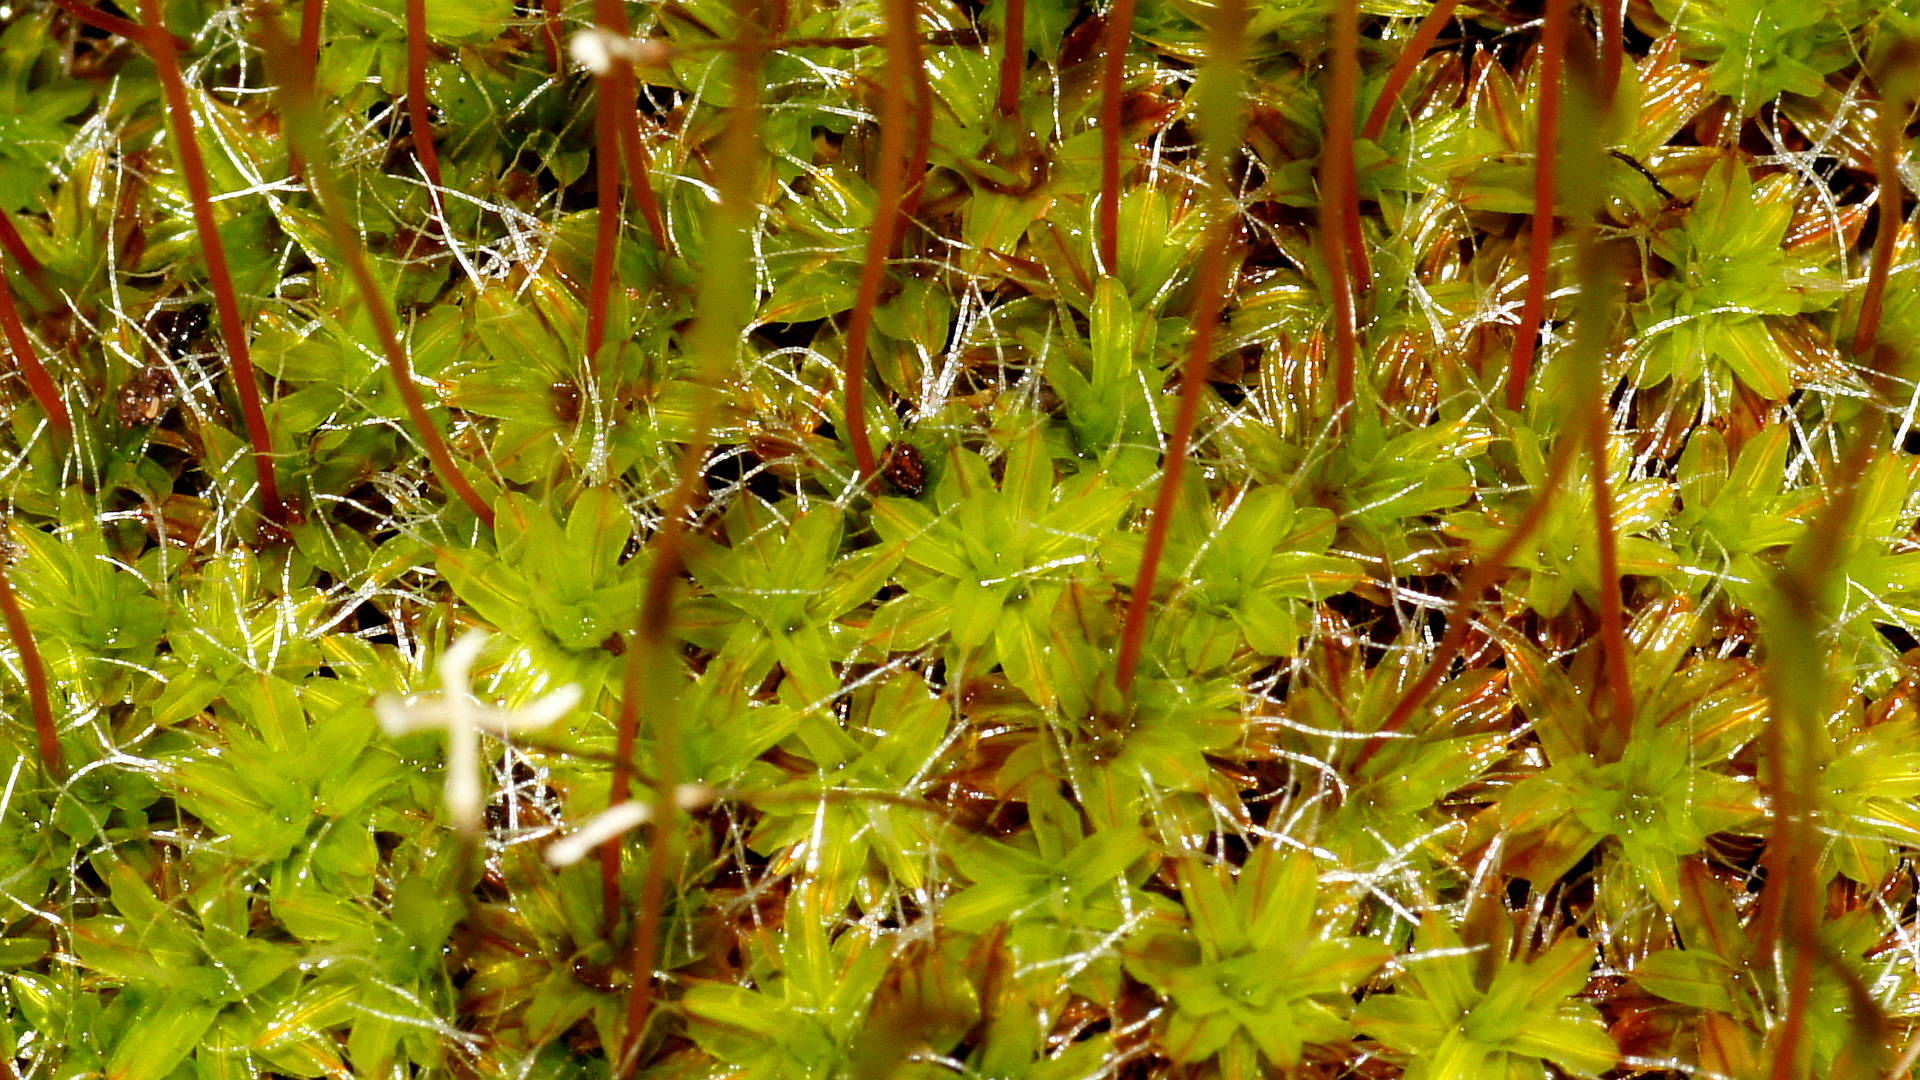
x,y
639,161
46,731
1553,50
28,358
886,219
1339,202
417,118
312,18
1193,377
619,88
15,247
349,249
1613,15
907,51
1410,56
166,61
112,24
648,688
1478,580
550,34
1888,122
1013,58
1211,289
1113,69
606,238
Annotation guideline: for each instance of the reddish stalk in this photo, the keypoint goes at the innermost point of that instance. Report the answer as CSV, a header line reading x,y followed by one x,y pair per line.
x,y
1218,144
619,88
312,16
639,162
1415,51
891,188
166,62
1598,280
302,129
1339,203
1796,674
1613,16
606,236
417,119
722,308
46,731
28,358
1553,51
1359,266
15,246
1797,670
1478,581
1888,123
1193,376
905,49
1112,70
112,24
550,33
1013,58
1613,632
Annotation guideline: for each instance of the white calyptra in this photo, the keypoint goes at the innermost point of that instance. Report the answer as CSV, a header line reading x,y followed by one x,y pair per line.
x,y
455,710
617,819
596,50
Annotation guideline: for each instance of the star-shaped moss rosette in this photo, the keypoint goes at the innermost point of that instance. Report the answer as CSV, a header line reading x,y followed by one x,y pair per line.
x,y
1469,1014
556,321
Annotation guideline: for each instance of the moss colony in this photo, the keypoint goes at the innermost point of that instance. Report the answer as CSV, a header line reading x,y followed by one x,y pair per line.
x,y
913,538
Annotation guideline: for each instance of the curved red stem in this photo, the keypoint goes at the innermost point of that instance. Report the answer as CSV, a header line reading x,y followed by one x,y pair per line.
x,y
550,33
46,731
1339,210
721,311
606,236
303,131
619,88
1553,50
639,162
890,189
1013,58
417,118
15,246
24,354
312,17
1415,51
166,61
1113,69
1478,580
1210,299
1886,150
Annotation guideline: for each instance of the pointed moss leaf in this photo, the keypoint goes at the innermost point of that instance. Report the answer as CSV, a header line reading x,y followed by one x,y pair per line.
x,y
1690,977
159,1035
1111,323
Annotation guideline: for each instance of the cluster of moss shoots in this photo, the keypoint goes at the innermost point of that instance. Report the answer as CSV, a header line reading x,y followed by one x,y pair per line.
x,y
1311,538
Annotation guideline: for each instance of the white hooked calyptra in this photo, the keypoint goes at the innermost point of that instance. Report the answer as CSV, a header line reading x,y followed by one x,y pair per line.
x,y
596,50
455,710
